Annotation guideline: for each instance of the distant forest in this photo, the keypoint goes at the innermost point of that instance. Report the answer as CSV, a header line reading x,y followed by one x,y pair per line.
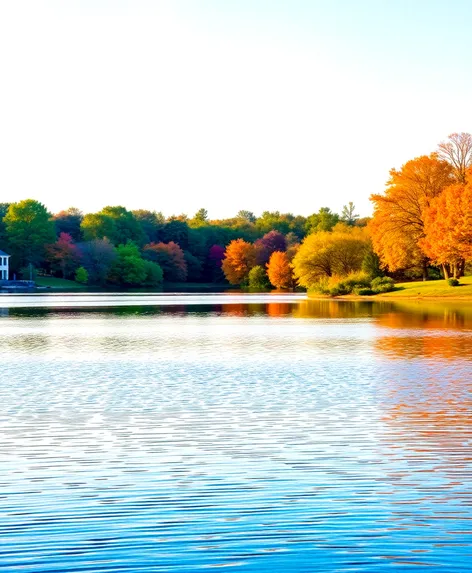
x,y
143,248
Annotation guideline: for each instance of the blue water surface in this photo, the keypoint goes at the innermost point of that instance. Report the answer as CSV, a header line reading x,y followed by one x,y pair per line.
x,y
261,434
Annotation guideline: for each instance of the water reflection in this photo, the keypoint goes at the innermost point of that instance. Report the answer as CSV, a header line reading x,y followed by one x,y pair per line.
x,y
270,435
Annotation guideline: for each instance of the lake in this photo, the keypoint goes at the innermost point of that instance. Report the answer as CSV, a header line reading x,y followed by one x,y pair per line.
x,y
179,433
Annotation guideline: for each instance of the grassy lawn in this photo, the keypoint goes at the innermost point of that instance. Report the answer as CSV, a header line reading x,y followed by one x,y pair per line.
x,y
53,282
432,289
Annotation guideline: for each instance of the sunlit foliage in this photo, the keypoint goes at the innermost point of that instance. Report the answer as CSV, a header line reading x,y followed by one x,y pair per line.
x,y
279,270
398,223
240,257
325,254
29,228
257,278
448,228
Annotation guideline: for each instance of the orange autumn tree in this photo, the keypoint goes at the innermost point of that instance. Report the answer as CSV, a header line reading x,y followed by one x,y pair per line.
x,y
240,257
279,270
448,228
397,227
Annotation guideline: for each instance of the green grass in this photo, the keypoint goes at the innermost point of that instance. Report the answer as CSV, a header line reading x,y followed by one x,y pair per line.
x,y
53,282
432,289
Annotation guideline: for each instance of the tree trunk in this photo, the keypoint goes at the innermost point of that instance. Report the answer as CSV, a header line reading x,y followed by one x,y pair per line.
x,y
425,269
445,271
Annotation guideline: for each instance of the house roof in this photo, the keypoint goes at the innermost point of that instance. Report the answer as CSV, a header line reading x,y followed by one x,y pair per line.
x,y
3,254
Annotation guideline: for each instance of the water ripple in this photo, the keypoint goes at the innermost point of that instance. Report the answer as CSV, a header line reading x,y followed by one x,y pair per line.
x,y
187,441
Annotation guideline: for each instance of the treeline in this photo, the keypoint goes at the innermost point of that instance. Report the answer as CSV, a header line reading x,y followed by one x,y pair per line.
x,y
422,226
116,246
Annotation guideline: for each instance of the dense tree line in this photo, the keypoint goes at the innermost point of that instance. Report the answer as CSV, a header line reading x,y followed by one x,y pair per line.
x,y
119,247
421,223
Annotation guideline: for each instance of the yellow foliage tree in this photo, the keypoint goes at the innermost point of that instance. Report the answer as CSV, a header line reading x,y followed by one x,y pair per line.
x,y
325,254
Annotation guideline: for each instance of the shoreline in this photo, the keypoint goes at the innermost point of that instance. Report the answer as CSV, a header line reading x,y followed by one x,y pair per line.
x,y
383,298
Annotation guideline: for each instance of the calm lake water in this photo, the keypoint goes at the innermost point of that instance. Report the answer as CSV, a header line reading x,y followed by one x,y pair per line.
x,y
263,432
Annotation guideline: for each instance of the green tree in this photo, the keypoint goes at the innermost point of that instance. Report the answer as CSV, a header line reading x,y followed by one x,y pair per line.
x,y
129,268
371,264
151,223
258,279
176,231
274,221
29,229
349,215
194,267
81,275
69,222
98,226
324,220
115,223
3,230
246,216
200,219
154,274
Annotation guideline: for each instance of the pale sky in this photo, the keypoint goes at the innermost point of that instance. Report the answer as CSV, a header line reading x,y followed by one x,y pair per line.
x,y
223,104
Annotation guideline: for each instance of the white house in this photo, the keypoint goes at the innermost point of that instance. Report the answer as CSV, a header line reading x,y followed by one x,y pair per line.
x,y
4,266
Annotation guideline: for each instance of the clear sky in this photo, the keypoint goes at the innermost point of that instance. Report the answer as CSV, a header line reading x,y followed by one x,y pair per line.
x,y
225,104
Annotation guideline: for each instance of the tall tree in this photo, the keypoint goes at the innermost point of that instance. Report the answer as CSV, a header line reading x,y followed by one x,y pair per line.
x,y
151,223
63,255
279,270
448,228
324,220
397,226
214,262
29,229
246,216
170,257
349,215
127,228
240,257
97,258
69,222
457,151
3,230
176,231
98,226
200,218
268,244
129,268
115,223
282,222
194,267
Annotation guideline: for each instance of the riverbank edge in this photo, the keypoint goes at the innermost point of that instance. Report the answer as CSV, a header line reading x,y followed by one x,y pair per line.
x,y
382,297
